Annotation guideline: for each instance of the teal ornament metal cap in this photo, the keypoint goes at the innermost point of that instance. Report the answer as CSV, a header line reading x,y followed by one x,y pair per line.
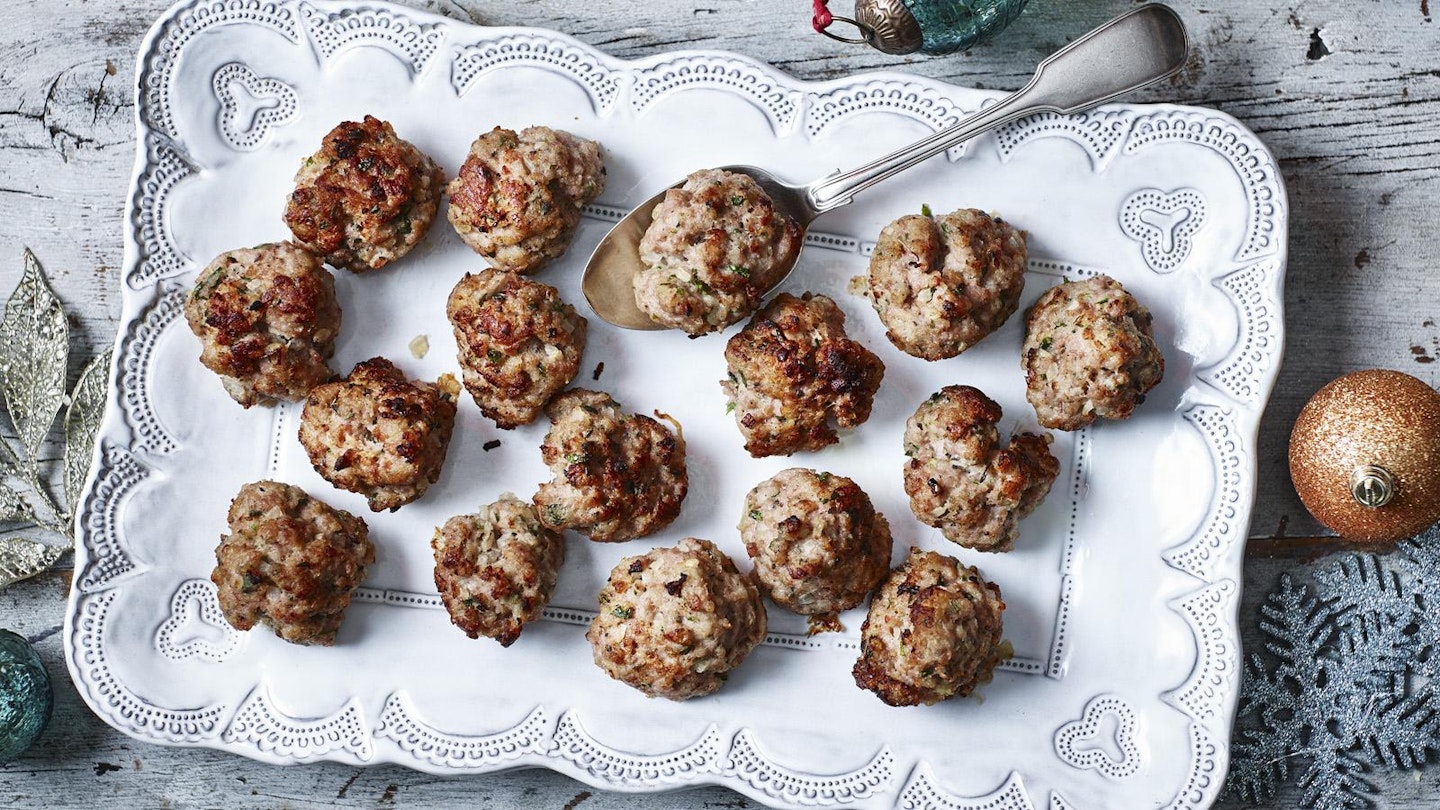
x,y
26,698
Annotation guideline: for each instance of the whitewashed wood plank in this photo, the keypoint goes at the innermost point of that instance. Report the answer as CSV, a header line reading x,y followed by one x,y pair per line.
x,y
1357,134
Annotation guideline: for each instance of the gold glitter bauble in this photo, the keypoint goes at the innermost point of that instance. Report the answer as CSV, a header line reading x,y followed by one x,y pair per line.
x,y
1374,418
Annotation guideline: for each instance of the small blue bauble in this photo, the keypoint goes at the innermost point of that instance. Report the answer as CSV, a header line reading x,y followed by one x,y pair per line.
x,y
957,25
25,696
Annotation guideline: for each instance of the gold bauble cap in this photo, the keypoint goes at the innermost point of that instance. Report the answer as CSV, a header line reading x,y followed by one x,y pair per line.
x,y
1371,437
889,26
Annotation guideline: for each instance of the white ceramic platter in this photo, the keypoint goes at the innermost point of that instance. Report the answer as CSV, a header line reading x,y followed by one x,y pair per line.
x,y
1123,588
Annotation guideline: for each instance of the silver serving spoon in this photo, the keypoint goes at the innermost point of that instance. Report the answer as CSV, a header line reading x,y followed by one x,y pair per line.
x,y
1135,49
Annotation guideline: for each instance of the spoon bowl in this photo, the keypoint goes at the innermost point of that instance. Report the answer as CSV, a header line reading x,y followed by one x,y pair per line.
x,y
609,280
1131,51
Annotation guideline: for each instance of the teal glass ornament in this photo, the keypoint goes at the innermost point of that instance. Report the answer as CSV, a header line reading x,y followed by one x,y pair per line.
x,y
926,26
26,699
947,26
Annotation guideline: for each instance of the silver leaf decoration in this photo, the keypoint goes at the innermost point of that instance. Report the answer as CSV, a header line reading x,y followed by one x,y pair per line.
x,y
12,506
82,421
22,559
34,347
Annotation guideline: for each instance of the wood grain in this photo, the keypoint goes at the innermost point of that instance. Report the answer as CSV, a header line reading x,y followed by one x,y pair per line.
x,y
1347,95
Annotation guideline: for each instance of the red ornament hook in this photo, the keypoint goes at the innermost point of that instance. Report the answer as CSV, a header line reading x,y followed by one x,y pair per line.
x,y
823,18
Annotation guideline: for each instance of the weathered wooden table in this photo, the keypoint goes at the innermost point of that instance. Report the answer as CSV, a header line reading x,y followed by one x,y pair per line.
x,y
1346,94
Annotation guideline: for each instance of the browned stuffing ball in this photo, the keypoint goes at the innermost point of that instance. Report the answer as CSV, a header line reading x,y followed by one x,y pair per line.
x,y
1089,353
962,480
714,246
675,621
378,434
519,344
792,371
517,198
267,319
942,284
932,633
496,569
290,562
818,544
617,475
366,198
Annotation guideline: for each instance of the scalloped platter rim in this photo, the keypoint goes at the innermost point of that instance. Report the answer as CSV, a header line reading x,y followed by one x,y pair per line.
x,y
1122,593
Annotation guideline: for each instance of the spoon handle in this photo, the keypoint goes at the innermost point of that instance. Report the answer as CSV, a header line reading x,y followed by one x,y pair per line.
x,y
1135,49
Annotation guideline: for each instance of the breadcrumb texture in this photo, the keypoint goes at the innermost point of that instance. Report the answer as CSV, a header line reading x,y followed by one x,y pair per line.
x,y
794,376
618,475
941,285
267,319
379,434
290,562
366,198
674,622
496,569
818,544
517,198
963,480
715,245
1089,353
933,632
519,343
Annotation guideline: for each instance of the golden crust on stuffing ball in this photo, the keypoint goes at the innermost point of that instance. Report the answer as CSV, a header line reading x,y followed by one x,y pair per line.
x,y
714,247
674,622
517,198
366,198
267,318
496,569
818,544
1089,353
379,434
290,562
962,480
933,632
618,475
792,370
519,344
942,284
